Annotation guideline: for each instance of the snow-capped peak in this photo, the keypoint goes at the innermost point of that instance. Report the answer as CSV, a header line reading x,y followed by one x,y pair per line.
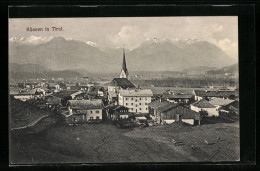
x,y
187,40
91,43
34,40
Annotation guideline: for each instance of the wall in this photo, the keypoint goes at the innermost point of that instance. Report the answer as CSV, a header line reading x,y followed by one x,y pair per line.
x,y
24,97
135,103
211,111
188,121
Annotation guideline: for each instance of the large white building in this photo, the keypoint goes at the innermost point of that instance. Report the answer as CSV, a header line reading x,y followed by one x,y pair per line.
x,y
136,100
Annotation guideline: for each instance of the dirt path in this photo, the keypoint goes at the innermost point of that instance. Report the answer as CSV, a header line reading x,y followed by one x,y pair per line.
x,y
31,124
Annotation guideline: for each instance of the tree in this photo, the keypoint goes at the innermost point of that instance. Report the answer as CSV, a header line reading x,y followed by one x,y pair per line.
x,y
203,113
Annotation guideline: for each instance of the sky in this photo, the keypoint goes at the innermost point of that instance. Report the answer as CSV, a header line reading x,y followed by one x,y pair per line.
x,y
130,32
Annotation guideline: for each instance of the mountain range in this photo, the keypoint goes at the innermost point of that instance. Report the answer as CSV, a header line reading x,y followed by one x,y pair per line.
x,y
59,53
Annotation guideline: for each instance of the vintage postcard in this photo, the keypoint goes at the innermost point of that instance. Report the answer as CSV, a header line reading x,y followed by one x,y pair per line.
x,y
123,90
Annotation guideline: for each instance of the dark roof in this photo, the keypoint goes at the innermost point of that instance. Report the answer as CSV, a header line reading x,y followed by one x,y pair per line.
x,y
122,82
162,106
65,93
185,112
203,93
203,104
234,104
86,104
178,96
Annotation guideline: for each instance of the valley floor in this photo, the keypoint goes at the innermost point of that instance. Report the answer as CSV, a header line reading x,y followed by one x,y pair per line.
x,y
106,143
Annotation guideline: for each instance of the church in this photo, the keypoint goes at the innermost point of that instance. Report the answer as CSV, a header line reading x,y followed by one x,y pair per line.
x,y
122,82
123,93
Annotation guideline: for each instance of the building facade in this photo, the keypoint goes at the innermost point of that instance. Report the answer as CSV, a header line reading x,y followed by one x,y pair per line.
x,y
81,111
136,100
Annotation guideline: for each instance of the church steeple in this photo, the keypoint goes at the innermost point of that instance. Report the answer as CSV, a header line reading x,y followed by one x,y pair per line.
x,y
124,72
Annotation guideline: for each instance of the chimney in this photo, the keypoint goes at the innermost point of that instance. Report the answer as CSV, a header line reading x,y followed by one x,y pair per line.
x,y
160,100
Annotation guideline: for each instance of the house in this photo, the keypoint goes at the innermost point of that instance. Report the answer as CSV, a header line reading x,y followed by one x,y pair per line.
x,y
231,107
136,100
120,83
206,94
206,106
157,107
54,86
179,98
24,95
115,112
39,93
82,111
164,112
65,95
180,114
218,102
112,97
52,101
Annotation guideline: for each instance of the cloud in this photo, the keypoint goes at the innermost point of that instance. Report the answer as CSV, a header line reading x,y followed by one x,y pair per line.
x,y
231,48
129,36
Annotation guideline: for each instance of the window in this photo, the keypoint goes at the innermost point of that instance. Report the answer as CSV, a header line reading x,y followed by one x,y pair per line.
x,y
91,118
126,98
126,104
146,109
145,103
146,98
97,111
140,98
140,108
135,100
136,105
91,112
140,103
132,98
97,117
132,104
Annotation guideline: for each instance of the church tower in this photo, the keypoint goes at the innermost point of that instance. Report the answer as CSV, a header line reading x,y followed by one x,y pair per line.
x,y
124,72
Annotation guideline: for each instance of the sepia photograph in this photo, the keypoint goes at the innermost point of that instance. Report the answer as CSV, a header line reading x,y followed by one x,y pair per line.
x,y
123,90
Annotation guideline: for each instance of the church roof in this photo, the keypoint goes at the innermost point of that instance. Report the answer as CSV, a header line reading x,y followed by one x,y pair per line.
x,y
124,83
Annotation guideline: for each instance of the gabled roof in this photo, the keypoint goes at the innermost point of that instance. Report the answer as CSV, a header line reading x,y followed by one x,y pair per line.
x,y
220,101
136,93
218,93
65,93
185,112
162,106
235,104
203,104
178,96
86,104
124,83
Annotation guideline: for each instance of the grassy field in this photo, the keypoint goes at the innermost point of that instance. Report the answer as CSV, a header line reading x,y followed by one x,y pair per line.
x,y
106,143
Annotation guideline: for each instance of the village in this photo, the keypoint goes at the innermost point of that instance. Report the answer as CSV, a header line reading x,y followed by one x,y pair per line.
x,y
121,101
118,102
